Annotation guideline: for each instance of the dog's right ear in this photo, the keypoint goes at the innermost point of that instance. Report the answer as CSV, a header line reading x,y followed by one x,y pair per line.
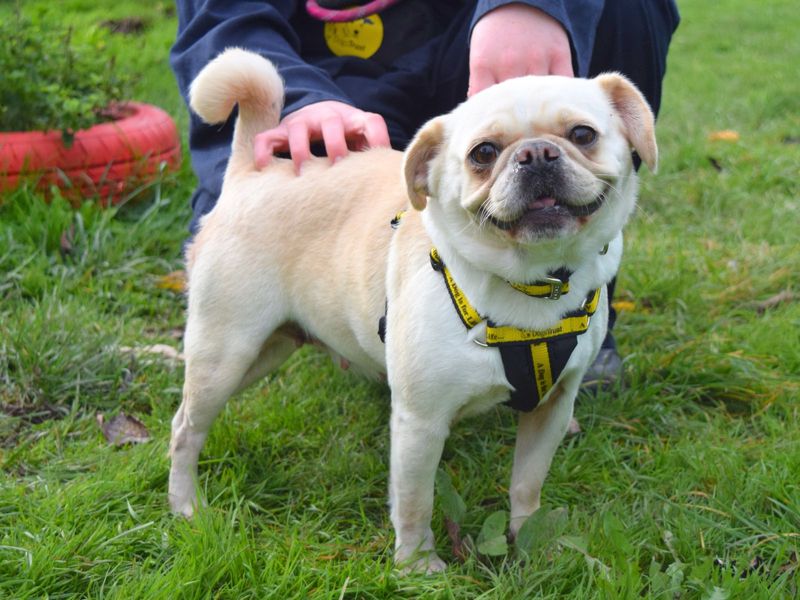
x,y
422,149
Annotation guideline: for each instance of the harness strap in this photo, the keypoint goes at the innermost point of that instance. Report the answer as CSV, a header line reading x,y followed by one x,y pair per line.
x,y
532,359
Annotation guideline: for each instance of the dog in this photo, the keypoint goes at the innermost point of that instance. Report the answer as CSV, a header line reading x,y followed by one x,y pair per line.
x,y
519,194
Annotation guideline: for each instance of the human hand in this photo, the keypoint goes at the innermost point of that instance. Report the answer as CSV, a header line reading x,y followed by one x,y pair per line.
x,y
339,126
515,40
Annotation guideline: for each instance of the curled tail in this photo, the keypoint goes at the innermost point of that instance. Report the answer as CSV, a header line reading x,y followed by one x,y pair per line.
x,y
239,77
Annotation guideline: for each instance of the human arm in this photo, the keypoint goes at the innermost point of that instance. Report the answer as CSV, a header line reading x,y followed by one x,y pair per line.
x,y
313,101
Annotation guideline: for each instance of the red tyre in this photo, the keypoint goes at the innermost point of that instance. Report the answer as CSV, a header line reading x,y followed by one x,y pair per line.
x,y
108,160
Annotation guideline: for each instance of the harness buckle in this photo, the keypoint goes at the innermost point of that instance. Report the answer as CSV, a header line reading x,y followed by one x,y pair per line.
x,y
556,285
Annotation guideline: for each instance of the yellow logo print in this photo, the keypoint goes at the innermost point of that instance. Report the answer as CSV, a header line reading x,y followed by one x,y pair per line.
x,y
361,38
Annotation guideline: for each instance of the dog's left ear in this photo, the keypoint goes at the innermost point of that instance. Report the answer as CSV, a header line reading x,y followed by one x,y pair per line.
x,y
635,113
422,149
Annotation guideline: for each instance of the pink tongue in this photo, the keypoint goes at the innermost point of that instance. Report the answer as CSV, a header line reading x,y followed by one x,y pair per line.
x,y
545,202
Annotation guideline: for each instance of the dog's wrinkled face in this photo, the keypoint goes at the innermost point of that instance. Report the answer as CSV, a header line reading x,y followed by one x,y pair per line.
x,y
535,158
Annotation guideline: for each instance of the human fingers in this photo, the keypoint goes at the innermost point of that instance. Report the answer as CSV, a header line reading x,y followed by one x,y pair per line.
x,y
299,144
519,62
480,78
333,136
561,63
267,143
375,132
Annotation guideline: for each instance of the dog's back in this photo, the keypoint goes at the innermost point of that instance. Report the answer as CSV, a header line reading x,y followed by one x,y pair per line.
x,y
295,248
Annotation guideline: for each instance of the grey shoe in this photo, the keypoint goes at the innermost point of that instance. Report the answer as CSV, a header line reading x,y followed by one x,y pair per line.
x,y
604,373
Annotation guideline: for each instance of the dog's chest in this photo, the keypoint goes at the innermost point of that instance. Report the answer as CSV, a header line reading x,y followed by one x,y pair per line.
x,y
490,396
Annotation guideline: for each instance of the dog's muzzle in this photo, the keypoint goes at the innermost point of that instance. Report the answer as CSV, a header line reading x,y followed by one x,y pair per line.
x,y
539,170
546,203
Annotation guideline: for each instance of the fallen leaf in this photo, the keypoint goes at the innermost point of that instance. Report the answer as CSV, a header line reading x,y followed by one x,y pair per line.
x,y
725,135
162,350
715,163
454,533
65,243
789,565
123,429
174,282
125,26
773,301
624,305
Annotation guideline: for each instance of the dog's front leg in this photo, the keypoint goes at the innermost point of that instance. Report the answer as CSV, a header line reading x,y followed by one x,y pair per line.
x,y
416,448
538,435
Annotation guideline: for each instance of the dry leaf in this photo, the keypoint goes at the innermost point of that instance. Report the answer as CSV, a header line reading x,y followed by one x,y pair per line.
x,y
65,243
174,282
726,135
777,299
454,533
123,429
162,350
624,305
126,25
716,164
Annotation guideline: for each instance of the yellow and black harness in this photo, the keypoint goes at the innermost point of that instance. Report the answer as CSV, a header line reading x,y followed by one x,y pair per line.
x,y
532,359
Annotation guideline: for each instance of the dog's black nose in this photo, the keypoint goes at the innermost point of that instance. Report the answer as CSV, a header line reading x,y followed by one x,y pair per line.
x,y
539,153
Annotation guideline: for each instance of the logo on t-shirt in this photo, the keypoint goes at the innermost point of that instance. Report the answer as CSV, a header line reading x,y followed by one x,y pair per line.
x,y
361,38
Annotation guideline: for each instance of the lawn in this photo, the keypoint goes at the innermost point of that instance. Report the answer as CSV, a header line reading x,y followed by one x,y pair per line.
x,y
683,484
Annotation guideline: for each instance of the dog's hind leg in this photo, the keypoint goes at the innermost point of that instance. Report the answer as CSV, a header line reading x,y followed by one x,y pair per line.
x,y
273,354
538,435
219,362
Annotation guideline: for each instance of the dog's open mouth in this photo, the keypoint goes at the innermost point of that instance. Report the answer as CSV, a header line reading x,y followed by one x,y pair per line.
x,y
545,208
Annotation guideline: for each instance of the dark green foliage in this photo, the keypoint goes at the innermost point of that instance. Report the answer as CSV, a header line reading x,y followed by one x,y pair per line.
x,y
55,79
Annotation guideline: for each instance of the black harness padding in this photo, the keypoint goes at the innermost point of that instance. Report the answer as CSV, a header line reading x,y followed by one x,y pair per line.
x,y
521,371
382,322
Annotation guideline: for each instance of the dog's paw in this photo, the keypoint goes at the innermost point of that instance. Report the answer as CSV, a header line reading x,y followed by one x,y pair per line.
x,y
421,563
182,505
181,509
514,527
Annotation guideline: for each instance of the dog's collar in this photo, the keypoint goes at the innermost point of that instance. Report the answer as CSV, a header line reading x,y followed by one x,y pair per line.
x,y
575,322
532,359
555,285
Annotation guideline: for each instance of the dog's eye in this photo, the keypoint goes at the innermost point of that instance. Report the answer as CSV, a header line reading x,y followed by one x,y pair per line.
x,y
484,154
582,135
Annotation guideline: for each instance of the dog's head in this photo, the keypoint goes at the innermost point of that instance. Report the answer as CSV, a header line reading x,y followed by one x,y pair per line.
x,y
534,160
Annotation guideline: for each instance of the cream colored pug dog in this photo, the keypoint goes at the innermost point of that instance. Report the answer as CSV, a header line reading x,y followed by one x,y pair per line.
x,y
522,190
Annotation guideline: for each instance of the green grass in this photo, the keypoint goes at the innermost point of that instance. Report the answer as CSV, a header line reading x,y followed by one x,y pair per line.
x,y
695,461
